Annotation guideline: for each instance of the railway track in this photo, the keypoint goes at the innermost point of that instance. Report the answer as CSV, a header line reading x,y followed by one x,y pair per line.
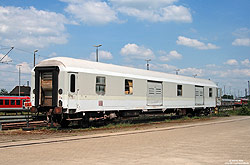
x,y
40,121
142,119
18,125
16,119
22,121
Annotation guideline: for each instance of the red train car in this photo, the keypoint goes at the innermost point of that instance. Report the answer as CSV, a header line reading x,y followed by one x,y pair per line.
x,y
14,102
241,102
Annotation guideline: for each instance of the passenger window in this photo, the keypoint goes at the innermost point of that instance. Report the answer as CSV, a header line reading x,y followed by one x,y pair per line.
x,y
210,92
179,90
100,85
128,87
12,102
1,102
72,83
18,102
7,102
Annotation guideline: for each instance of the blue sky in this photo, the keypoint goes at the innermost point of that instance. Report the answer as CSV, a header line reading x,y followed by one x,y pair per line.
x,y
209,38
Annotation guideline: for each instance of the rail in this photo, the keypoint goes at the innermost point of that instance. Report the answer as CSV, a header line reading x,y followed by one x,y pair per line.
x,y
7,119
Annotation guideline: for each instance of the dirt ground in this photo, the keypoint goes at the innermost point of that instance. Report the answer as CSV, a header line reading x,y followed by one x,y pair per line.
x,y
44,133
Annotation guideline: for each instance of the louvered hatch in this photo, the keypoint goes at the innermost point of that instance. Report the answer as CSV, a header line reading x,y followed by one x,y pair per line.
x,y
154,93
199,95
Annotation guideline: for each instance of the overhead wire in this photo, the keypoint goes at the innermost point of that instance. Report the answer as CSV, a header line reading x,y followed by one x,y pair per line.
x,y
22,50
9,85
8,63
14,72
31,52
6,54
15,61
9,81
3,48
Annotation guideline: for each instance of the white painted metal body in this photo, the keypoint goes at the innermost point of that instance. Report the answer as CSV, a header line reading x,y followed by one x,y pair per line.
x,y
151,90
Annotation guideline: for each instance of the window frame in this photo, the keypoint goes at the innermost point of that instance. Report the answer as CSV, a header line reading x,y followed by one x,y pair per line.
x,y
1,102
128,90
99,84
6,101
12,102
72,83
179,91
18,101
210,92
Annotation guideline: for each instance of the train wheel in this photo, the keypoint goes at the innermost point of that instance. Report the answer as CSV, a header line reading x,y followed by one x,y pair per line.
x,y
190,115
84,123
64,123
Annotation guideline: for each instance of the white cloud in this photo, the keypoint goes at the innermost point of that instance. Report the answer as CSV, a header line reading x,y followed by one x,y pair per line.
x,y
231,62
133,51
211,66
169,56
195,43
96,12
5,59
243,37
105,55
232,76
245,62
242,33
241,72
54,54
235,73
91,12
31,27
9,75
172,69
142,4
154,11
24,68
163,14
4,66
191,72
241,42
164,67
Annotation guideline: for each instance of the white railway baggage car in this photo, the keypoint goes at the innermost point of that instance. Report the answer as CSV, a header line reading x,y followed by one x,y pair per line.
x,y
72,89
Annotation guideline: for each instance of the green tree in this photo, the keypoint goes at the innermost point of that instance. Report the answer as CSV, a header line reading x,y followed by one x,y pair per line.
x,y
4,92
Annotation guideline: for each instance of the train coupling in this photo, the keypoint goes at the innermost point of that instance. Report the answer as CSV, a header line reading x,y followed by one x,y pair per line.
x,y
58,110
33,109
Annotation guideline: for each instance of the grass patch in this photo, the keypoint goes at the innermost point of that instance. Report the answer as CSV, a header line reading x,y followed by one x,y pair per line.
x,y
242,111
221,114
185,118
197,117
168,120
245,111
119,125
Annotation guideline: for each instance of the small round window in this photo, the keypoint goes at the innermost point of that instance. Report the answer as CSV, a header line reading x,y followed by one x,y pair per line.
x,y
60,91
